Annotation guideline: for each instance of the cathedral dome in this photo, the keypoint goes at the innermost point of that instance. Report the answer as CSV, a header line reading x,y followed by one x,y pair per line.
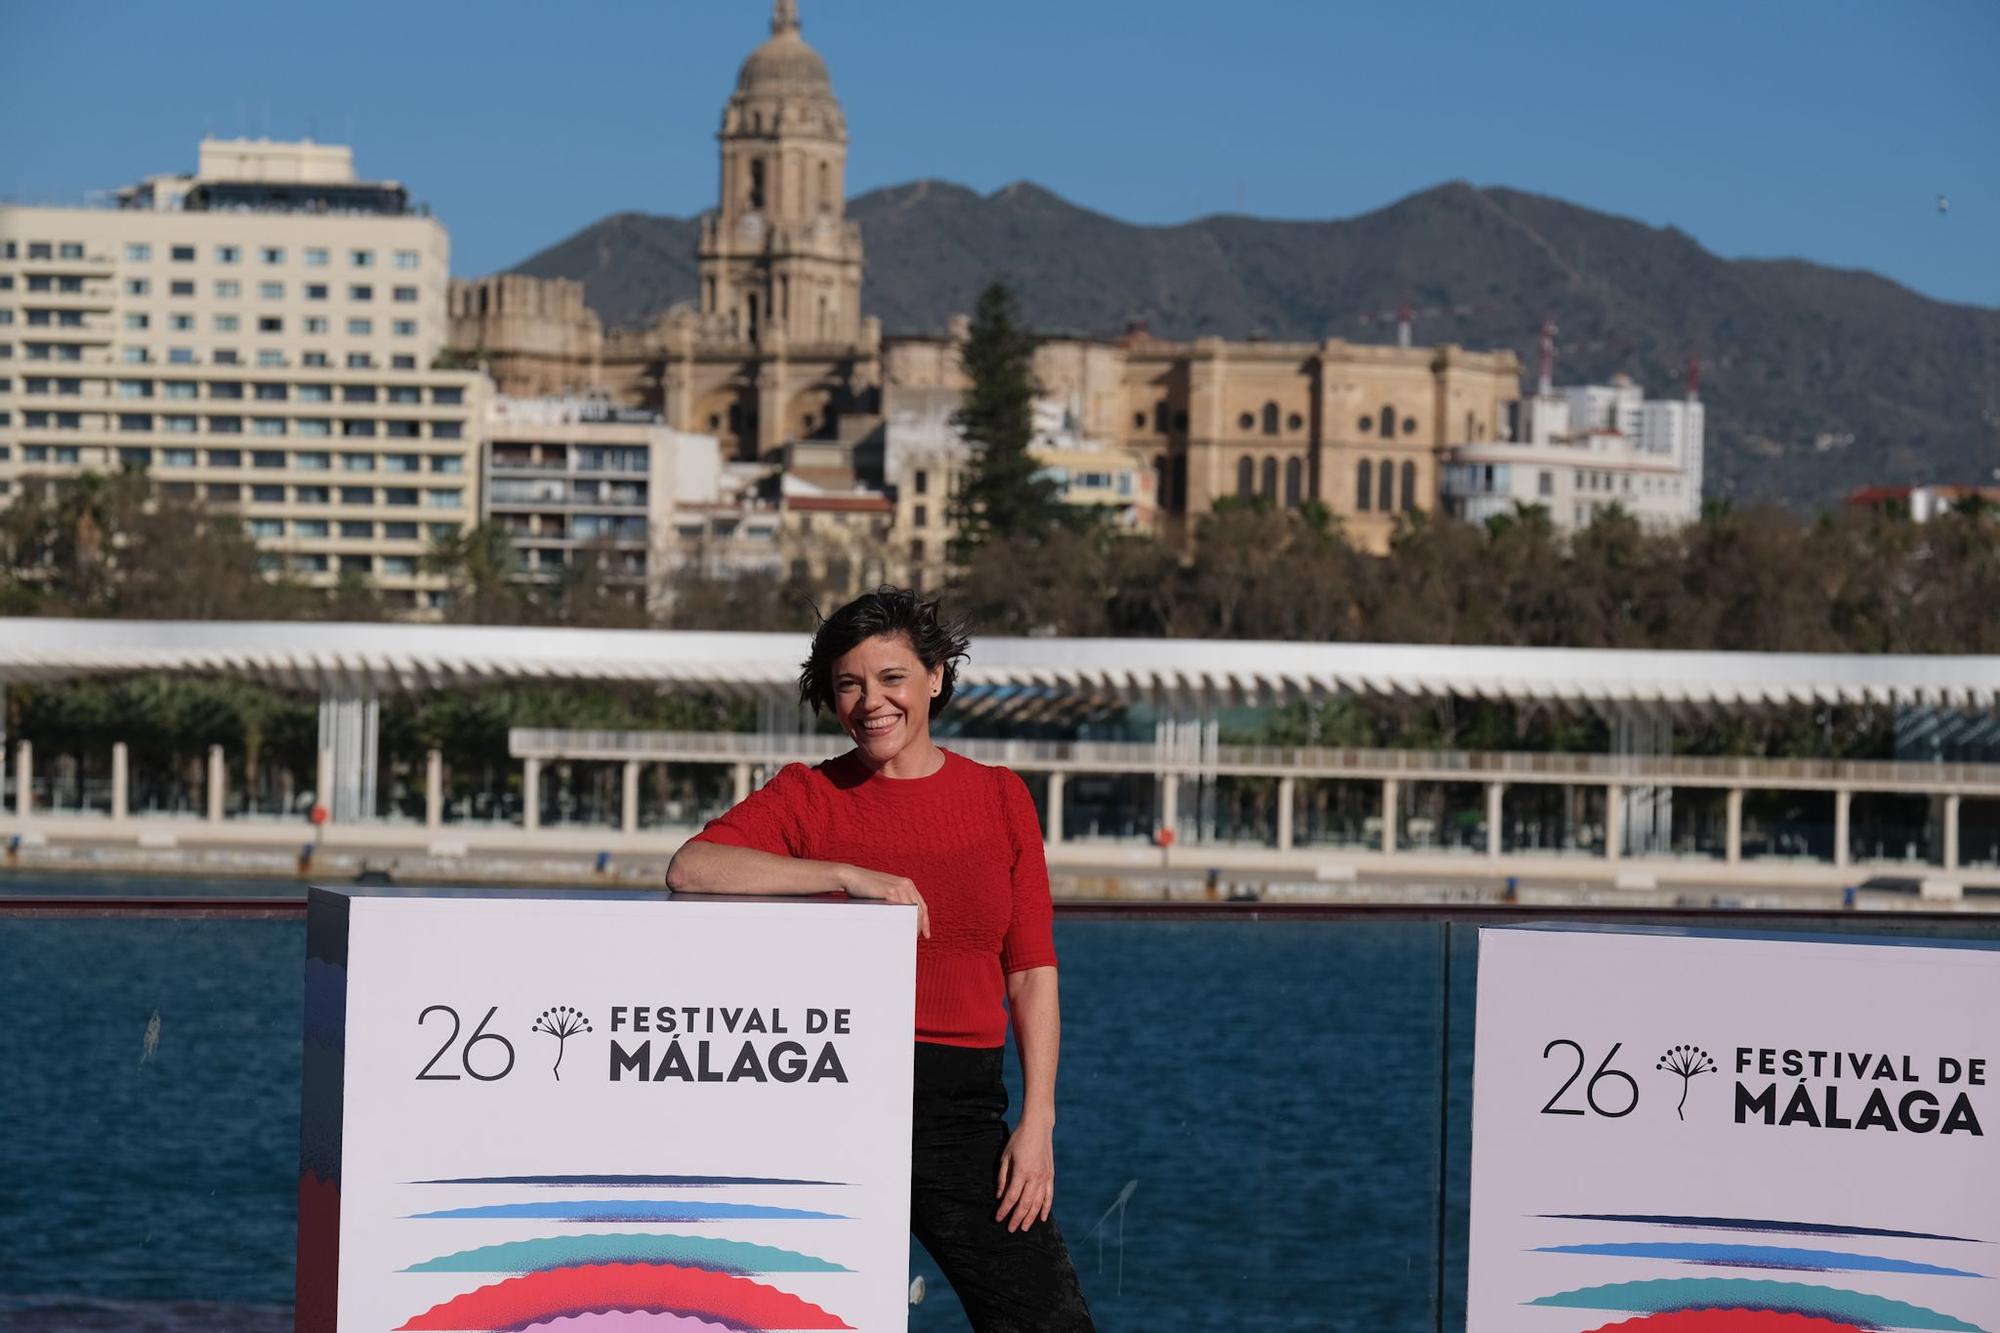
x,y
784,63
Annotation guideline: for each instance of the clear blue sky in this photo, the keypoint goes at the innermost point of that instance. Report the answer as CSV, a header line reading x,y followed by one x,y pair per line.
x,y
1811,128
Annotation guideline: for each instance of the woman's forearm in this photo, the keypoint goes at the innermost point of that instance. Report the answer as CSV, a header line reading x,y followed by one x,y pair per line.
x,y
1037,1013
707,867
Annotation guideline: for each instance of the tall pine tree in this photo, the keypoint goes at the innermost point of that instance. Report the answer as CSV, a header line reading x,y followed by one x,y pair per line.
x,y
1002,495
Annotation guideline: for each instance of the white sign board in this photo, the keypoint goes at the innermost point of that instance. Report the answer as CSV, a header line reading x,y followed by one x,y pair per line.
x,y
601,1113
1676,1132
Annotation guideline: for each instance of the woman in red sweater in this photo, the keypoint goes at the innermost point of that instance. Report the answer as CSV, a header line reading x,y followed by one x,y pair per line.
x,y
899,818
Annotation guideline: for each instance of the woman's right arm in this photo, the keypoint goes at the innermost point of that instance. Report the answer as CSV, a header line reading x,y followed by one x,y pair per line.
x,y
710,867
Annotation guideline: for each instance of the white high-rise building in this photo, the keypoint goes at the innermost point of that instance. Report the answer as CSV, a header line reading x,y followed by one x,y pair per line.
x,y
1581,449
259,335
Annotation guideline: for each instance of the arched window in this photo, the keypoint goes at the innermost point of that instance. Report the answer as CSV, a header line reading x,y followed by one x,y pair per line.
x,y
1388,423
756,182
1362,488
1269,490
825,188
1385,493
1270,418
1246,481
1138,421
1294,483
1409,485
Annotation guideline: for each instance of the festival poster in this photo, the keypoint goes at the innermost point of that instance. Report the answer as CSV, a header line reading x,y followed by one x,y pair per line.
x,y
1683,1132
581,1113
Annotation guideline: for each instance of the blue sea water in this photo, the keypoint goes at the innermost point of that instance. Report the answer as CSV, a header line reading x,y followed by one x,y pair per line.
x,y
1269,1092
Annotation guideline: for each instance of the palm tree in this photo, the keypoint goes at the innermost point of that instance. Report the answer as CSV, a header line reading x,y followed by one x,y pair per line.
x,y
481,566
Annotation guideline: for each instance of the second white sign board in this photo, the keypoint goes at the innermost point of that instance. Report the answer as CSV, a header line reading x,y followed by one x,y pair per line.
x,y
1686,1133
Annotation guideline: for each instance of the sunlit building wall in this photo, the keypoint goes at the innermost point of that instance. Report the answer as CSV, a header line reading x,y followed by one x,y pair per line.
x,y
260,336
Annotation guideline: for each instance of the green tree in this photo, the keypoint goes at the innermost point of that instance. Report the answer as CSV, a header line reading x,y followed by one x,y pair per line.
x,y
481,567
1004,493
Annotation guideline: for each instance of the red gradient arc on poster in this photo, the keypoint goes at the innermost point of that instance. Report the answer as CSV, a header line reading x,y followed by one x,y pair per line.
x,y
662,1288
1727,1321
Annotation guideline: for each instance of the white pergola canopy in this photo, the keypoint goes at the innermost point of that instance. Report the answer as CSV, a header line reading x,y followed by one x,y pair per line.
x,y
366,658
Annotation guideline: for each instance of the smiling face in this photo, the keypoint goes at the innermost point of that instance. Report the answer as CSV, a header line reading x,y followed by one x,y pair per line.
x,y
882,697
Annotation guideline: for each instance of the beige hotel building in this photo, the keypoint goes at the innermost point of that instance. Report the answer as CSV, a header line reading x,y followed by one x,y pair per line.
x,y
259,336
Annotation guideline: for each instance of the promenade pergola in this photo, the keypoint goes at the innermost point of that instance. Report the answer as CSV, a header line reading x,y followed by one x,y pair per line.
x,y
1184,682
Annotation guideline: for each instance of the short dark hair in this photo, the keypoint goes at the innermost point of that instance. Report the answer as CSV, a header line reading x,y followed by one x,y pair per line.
x,y
937,640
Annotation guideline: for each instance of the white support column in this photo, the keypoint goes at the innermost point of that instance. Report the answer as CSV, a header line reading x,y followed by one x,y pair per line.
x,y
1732,827
629,800
1391,789
24,781
531,794
1496,818
434,789
121,782
323,782
1951,803
1055,802
1614,821
1288,789
350,717
1170,801
218,783
1843,803
741,774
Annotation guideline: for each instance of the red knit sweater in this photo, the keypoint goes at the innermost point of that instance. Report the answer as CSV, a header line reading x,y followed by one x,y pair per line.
x,y
966,836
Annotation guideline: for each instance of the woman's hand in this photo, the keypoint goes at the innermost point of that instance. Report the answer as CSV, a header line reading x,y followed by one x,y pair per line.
x,y
859,883
1027,1175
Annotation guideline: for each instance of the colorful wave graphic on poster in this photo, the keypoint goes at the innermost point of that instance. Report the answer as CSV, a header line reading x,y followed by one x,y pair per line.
x,y
546,1252
1728,1321
1720,1295
632,1182
1753,1224
1759,1256
627,1321
632,1210
661,1289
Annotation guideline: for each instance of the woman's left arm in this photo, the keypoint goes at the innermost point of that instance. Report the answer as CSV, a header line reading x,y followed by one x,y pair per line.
x,y
1027,1187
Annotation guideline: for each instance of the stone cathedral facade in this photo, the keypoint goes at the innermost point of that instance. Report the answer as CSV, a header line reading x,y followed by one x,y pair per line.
x,y
775,348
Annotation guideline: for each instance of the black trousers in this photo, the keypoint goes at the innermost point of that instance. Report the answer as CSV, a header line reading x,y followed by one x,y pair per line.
x,y
1021,1282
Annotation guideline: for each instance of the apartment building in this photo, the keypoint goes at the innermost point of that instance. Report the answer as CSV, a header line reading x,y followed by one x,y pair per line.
x,y
926,458
1580,450
259,335
570,478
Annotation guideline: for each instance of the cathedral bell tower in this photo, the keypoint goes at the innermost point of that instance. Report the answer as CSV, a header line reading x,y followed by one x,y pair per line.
x,y
780,265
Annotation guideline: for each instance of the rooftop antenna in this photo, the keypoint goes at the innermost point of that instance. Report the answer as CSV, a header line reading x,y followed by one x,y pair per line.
x,y
1546,359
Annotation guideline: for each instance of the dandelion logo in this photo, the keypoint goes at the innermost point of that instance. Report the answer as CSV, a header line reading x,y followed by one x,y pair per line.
x,y
562,1023
1687,1061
